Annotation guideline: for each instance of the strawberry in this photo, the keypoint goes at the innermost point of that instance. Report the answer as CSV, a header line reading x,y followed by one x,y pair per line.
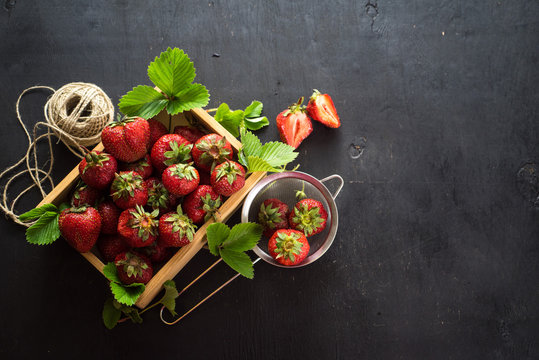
x,y
321,108
309,216
110,214
288,247
158,196
293,124
170,149
85,195
128,190
273,215
157,129
80,226
211,150
156,253
142,166
175,229
180,179
228,178
111,245
133,268
138,227
201,204
128,140
189,133
97,169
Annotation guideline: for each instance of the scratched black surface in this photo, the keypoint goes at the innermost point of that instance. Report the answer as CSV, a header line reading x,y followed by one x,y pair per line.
x,y
437,250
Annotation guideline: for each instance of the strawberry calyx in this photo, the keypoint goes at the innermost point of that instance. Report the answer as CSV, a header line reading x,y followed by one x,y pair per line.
x,y
144,222
213,151
300,194
179,153
269,215
230,170
288,245
78,209
94,158
184,171
158,195
315,94
307,220
296,107
182,223
121,121
210,206
133,265
125,184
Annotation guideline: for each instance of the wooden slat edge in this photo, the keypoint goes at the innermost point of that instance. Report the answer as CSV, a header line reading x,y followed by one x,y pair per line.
x,y
185,254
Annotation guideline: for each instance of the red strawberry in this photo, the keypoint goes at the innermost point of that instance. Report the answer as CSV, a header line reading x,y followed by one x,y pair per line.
x,y
201,204
138,227
288,247
97,169
156,253
133,268
80,226
309,216
142,166
127,140
211,150
189,133
180,179
157,129
128,190
228,178
321,108
110,214
175,229
111,245
170,149
273,215
85,195
294,125
159,197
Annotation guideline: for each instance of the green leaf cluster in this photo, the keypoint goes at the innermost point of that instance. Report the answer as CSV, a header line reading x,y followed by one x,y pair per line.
x,y
173,73
232,244
45,230
237,121
272,156
124,294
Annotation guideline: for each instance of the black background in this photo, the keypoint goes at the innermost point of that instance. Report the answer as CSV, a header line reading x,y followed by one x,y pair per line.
x,y
437,250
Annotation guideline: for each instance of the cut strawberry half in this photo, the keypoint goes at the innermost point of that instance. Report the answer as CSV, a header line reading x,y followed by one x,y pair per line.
x,y
294,125
321,109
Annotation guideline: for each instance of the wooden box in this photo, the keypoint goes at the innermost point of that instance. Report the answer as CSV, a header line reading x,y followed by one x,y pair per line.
x,y
169,270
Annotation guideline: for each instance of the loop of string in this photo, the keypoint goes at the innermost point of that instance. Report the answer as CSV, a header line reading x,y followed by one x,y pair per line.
x,y
76,114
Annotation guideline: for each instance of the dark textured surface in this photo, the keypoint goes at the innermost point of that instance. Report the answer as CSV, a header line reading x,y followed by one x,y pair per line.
x,y
437,250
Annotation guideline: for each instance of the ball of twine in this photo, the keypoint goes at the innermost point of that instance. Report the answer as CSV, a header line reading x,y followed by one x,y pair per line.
x,y
78,112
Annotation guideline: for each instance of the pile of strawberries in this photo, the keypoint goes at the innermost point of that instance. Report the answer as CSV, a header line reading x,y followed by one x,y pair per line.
x,y
147,192
288,230
295,124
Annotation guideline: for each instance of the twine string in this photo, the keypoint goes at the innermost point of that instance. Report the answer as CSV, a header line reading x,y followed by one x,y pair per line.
x,y
76,114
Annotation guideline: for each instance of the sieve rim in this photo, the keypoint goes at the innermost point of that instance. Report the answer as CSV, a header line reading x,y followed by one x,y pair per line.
x,y
325,193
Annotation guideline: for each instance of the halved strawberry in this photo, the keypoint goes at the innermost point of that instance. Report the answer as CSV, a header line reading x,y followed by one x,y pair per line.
x,y
294,125
321,108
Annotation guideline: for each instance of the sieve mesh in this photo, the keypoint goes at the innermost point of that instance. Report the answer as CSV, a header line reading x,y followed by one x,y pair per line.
x,y
283,186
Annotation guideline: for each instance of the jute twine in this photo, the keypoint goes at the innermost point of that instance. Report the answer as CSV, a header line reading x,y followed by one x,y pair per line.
x,y
76,114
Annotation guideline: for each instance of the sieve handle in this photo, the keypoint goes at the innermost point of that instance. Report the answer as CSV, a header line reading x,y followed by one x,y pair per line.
x,y
339,188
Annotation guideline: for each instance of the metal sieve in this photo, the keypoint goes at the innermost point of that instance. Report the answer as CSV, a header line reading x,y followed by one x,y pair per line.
x,y
283,186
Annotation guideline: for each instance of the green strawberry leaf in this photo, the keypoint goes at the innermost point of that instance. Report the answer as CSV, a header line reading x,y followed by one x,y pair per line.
x,y
253,110
172,71
216,234
251,144
45,231
127,294
192,96
256,123
243,237
143,101
230,120
169,299
276,153
111,314
37,212
255,163
239,261
111,272
63,206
